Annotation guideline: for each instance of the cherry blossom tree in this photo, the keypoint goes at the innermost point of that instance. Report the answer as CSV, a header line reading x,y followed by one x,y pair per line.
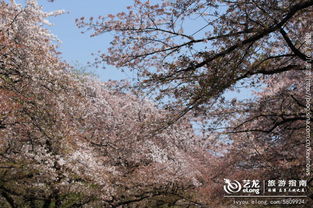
x,y
238,40
194,56
68,140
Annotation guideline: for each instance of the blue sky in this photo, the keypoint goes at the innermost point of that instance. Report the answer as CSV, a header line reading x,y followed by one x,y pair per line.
x,y
76,48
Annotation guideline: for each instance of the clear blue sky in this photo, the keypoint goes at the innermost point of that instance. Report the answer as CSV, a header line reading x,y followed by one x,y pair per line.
x,y
77,47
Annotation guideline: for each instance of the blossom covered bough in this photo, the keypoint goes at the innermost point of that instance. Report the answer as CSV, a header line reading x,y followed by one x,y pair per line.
x,y
200,58
68,140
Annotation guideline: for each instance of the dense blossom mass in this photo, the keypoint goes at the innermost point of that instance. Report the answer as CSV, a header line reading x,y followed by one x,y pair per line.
x,y
69,140
200,58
